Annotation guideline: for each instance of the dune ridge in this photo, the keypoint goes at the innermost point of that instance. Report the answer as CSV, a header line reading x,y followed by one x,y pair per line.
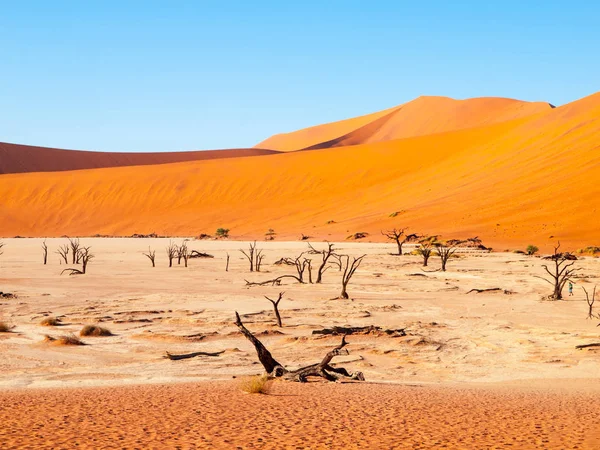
x,y
16,158
528,180
423,116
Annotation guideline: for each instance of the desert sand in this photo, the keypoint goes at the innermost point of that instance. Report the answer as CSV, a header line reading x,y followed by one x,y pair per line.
x,y
528,180
486,370
15,158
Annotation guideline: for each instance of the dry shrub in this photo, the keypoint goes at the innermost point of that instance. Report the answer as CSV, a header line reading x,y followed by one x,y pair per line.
x,y
50,322
65,339
94,330
5,328
258,384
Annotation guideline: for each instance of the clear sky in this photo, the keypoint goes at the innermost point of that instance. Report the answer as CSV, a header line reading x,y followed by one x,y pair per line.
x,y
182,75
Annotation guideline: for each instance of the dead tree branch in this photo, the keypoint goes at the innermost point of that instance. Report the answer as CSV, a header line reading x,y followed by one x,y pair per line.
x,y
350,268
44,252
322,369
590,303
74,244
63,251
151,255
254,257
325,255
174,357
276,307
171,252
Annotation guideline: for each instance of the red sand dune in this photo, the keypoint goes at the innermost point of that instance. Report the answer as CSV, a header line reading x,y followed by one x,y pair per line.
x,y
529,180
16,158
314,415
420,117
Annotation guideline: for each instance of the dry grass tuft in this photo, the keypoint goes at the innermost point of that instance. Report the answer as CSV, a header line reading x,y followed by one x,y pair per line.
x,y
94,330
259,384
50,322
66,339
5,328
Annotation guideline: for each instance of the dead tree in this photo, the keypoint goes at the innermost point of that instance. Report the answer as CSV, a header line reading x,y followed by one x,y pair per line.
x,y
400,237
425,249
561,272
44,252
590,303
349,269
323,369
445,250
227,265
1,246
254,256
171,252
74,244
151,255
85,256
185,255
325,255
276,307
181,251
63,251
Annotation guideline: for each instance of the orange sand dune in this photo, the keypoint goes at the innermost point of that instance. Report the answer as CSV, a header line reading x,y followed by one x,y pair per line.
x,y
16,158
422,116
529,180
294,416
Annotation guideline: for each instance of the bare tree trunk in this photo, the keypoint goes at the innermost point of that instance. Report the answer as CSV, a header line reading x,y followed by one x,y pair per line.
x,y
349,270
276,307
227,265
45,251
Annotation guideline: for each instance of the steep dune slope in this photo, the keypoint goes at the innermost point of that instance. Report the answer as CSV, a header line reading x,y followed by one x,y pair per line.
x,y
420,117
307,137
16,158
512,183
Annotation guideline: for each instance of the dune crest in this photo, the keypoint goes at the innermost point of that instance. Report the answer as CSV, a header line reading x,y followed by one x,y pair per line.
x,y
15,158
422,116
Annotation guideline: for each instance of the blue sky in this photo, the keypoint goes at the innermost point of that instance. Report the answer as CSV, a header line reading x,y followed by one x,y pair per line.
x,y
184,75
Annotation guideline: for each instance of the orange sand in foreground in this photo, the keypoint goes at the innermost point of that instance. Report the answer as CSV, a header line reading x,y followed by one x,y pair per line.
x,y
294,416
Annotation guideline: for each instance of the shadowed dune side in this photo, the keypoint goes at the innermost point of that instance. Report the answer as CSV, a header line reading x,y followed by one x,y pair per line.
x,y
420,117
15,158
511,183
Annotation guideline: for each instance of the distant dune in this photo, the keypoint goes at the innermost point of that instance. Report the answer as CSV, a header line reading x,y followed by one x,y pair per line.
x,y
16,158
420,117
533,179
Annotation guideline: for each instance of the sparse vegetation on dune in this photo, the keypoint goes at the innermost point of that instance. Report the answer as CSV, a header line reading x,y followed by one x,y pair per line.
x,y
94,330
531,250
5,327
258,384
50,322
222,232
65,339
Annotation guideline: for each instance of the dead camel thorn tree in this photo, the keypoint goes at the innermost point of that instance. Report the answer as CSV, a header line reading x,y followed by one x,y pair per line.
x,y
45,252
254,256
323,369
171,252
63,251
350,268
561,272
181,251
590,303
276,307
85,256
445,250
425,249
326,254
400,237
151,255
74,244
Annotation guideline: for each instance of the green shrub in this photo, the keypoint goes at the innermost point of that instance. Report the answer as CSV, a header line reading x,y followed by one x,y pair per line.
x,y
532,250
222,232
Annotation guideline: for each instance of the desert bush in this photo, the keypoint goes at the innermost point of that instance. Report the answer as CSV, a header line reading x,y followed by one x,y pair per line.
x,y
5,328
258,384
94,330
359,235
50,322
222,232
65,339
270,234
519,252
592,250
532,250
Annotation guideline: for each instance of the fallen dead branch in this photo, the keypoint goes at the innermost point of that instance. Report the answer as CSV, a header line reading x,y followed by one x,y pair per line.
x,y
371,329
173,357
595,344
479,291
273,282
323,369
197,254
